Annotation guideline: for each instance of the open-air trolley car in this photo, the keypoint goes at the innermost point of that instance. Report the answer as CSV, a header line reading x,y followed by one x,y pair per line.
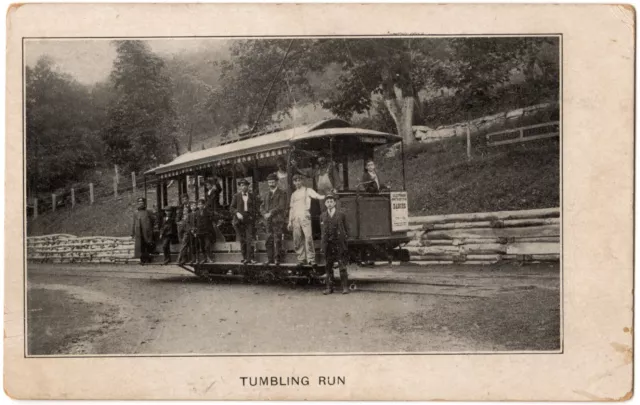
x,y
378,222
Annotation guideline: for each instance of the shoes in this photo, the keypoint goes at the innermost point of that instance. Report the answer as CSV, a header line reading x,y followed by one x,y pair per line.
x,y
328,291
243,261
267,263
251,262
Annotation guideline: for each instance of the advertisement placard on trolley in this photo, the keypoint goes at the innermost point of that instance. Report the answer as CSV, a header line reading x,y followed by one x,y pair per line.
x,y
399,211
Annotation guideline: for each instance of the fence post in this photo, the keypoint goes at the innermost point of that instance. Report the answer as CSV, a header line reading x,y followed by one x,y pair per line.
x,y
91,193
35,208
115,182
468,141
53,202
73,197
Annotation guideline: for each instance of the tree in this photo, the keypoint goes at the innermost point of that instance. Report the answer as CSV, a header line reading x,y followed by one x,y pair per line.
x,y
62,127
396,70
141,118
193,77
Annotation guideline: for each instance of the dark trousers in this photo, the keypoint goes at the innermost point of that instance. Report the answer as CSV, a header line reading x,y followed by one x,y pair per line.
x,y
203,242
146,249
273,244
166,247
245,230
185,247
334,252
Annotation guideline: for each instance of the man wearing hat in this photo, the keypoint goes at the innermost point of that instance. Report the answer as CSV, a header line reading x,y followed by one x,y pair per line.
x,y
273,209
334,243
244,208
142,232
300,221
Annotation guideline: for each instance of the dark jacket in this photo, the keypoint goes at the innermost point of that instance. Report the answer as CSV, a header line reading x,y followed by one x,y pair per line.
x,y
334,230
142,230
204,222
276,204
169,227
237,205
182,212
370,185
213,198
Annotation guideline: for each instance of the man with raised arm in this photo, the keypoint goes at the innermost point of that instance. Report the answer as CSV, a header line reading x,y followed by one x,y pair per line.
x,y
300,221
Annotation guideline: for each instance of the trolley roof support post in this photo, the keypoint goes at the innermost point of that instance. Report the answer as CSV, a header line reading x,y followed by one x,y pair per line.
x,y
404,181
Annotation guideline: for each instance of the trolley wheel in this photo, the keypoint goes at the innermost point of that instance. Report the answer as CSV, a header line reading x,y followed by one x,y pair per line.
x,y
353,287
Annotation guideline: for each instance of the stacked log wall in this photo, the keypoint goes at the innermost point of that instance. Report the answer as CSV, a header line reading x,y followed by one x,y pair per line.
x,y
486,238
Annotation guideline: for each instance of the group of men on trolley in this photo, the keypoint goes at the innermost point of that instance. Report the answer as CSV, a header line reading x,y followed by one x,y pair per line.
x,y
196,223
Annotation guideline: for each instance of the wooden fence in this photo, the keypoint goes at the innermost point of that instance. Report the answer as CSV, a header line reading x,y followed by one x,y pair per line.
x,y
486,238
524,134
85,194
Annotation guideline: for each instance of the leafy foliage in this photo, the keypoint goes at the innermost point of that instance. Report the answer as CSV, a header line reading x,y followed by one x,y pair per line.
x,y
62,128
141,118
367,70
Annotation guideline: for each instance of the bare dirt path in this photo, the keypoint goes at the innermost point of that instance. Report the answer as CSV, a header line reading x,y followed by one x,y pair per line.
x,y
84,309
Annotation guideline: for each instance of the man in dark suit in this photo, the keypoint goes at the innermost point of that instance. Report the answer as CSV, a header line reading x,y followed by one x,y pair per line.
x,y
142,232
204,220
273,209
334,243
245,207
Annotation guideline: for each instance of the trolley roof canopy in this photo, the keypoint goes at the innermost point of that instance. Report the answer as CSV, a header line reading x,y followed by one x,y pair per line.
x,y
258,146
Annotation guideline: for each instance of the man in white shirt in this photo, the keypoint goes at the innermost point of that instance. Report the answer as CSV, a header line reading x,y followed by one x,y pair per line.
x,y
300,221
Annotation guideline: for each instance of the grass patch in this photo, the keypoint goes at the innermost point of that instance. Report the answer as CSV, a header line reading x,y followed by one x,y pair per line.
x,y
441,180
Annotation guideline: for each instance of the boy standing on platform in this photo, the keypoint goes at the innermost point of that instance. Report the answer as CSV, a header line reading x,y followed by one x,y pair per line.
x,y
204,230
168,232
334,243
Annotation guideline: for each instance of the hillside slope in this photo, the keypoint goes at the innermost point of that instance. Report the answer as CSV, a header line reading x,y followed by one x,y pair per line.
x,y
440,180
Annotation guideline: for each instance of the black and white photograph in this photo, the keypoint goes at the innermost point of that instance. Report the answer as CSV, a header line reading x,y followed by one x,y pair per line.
x,y
293,195
319,202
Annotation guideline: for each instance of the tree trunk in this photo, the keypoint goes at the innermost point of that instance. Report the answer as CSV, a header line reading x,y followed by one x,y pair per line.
x,y
401,110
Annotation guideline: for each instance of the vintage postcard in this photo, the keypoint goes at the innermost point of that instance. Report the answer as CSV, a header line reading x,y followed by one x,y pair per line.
x,y
319,202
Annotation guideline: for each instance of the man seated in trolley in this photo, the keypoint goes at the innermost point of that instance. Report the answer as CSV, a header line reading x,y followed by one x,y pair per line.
x,y
334,154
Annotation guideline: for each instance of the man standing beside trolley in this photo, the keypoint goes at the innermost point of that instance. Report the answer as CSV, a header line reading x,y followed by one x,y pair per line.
x,y
142,232
300,221
273,209
244,207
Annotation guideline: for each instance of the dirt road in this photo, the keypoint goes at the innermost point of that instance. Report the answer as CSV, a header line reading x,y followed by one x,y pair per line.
x,y
89,309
